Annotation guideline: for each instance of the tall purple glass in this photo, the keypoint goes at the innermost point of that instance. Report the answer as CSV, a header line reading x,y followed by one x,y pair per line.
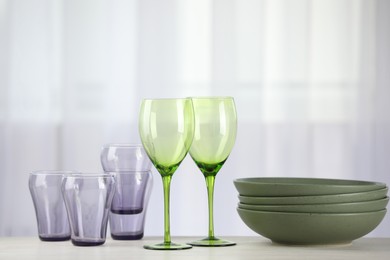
x,y
132,167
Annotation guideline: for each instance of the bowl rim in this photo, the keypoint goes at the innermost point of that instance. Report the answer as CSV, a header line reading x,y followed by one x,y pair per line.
x,y
295,181
384,189
354,203
310,214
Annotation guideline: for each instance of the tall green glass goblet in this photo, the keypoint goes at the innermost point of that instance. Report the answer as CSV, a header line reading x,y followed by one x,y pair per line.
x,y
166,128
214,138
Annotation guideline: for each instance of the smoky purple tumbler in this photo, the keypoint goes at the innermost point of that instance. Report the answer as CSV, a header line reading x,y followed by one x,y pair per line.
x,y
132,168
88,198
50,211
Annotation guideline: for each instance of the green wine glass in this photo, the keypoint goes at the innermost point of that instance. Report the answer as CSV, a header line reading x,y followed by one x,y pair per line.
x,y
214,138
166,128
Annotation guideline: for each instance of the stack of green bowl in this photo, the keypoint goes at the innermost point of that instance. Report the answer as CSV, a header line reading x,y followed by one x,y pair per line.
x,y
311,211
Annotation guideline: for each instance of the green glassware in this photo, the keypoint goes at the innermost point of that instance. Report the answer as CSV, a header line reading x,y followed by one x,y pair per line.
x,y
214,138
166,128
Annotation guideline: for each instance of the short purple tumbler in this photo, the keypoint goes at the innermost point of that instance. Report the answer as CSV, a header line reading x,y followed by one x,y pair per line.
x,y
52,219
88,198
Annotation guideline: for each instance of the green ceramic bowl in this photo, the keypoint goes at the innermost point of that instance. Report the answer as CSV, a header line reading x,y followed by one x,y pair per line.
x,y
278,186
311,228
353,207
321,199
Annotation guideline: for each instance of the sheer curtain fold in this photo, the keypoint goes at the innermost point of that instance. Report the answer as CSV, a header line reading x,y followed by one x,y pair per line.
x,y
309,77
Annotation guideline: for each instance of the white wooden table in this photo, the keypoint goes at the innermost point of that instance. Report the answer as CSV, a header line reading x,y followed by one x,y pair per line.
x,y
26,248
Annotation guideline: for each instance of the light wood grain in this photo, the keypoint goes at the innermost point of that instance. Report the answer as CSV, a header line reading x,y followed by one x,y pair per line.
x,y
30,248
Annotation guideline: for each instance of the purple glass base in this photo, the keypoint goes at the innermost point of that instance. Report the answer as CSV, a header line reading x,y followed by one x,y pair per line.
x,y
127,211
127,237
87,243
54,239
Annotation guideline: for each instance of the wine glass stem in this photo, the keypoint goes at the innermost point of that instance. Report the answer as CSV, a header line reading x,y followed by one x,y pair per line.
x,y
210,194
166,186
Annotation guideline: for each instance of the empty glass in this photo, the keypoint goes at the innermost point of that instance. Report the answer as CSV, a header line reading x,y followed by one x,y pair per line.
x,y
88,198
52,220
134,180
166,128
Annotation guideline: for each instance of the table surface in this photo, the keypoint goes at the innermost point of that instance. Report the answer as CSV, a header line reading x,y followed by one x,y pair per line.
x,y
247,248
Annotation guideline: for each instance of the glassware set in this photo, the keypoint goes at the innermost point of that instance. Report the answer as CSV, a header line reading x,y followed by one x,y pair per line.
x,y
204,127
77,206
72,205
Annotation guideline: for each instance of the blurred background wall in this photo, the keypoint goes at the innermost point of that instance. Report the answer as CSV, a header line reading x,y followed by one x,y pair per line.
x,y
310,79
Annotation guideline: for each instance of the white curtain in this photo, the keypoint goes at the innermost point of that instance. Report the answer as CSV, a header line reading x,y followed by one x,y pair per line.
x,y
310,79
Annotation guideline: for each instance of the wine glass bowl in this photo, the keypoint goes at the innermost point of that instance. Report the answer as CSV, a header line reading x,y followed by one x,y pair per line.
x,y
214,138
166,128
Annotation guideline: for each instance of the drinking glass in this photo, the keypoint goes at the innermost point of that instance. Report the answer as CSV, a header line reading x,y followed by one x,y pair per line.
x,y
52,219
214,137
166,128
88,199
134,181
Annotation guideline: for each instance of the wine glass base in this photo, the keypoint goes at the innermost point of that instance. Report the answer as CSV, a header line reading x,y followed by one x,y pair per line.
x,y
212,242
167,246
